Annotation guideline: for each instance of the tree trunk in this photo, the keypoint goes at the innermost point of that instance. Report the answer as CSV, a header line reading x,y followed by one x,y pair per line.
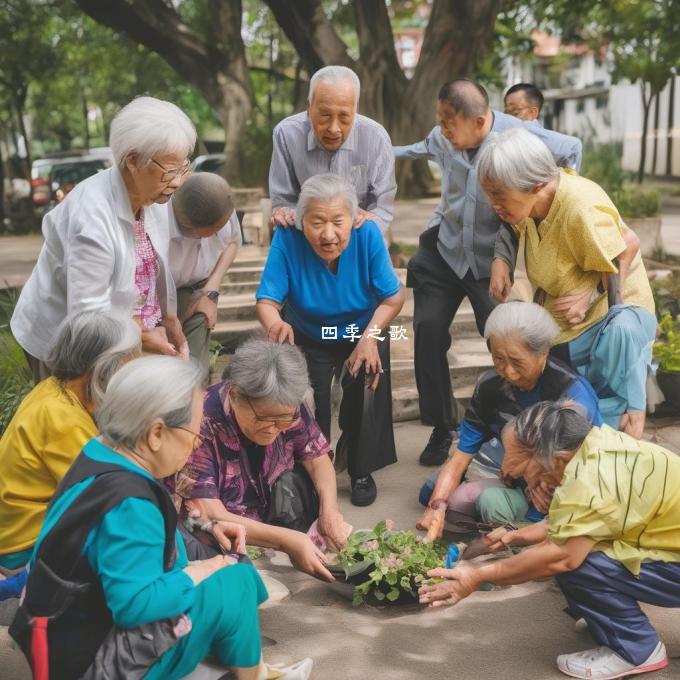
x,y
655,145
646,105
2,184
215,64
457,37
670,127
19,101
86,122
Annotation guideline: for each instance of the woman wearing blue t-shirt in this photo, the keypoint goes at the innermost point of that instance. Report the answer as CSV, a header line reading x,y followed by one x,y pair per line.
x,y
331,289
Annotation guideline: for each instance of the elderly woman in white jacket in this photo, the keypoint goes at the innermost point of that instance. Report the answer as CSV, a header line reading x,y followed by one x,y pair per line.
x,y
106,245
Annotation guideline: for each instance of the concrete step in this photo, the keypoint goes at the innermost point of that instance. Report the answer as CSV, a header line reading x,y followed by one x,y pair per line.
x,y
229,289
244,274
231,333
241,307
238,307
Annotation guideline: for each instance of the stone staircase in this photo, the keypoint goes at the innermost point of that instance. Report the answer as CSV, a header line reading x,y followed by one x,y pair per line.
x,y
468,356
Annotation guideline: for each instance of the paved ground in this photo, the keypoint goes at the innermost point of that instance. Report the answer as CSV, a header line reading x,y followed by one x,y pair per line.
x,y
19,253
506,634
514,633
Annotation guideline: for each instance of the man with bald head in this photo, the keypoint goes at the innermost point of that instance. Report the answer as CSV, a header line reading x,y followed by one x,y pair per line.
x,y
330,136
456,252
204,238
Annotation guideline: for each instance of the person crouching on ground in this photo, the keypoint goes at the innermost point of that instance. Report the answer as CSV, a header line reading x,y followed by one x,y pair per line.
x,y
519,335
611,539
263,461
331,289
205,236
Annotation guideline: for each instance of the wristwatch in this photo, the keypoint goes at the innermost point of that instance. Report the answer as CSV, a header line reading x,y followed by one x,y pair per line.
x,y
438,504
213,295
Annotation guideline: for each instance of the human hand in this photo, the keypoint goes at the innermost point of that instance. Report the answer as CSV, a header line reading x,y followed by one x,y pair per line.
x,y
155,341
362,216
173,328
500,284
461,582
366,353
572,309
281,332
203,305
229,534
334,529
201,569
306,557
432,521
282,217
633,424
500,539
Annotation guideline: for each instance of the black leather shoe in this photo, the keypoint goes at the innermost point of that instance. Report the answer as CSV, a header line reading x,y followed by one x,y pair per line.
x,y
364,490
437,450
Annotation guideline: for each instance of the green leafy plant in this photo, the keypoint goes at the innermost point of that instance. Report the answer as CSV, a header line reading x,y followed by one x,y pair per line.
x,y
15,377
634,202
400,559
667,348
667,295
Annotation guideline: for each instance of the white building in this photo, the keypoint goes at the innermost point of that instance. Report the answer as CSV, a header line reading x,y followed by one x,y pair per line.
x,y
582,100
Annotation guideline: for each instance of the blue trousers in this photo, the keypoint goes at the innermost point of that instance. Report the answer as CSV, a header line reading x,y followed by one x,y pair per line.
x,y
607,596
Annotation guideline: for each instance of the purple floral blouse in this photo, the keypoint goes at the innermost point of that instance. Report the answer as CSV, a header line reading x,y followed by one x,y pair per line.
x,y
219,468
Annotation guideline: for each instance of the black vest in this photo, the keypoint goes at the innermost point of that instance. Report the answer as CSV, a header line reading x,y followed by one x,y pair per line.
x,y
61,584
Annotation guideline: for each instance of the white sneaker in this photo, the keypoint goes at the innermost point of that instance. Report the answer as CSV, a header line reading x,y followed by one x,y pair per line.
x,y
300,670
580,625
602,663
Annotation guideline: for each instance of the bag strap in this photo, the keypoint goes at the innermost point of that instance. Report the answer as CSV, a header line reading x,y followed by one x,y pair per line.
x,y
112,485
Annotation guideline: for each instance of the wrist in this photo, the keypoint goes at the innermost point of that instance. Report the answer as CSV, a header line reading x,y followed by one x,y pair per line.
x,y
438,505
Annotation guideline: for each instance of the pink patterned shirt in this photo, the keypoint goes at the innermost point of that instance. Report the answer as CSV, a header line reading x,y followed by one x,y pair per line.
x,y
148,306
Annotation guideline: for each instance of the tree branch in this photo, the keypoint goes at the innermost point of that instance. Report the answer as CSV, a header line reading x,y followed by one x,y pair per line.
x,y
157,26
310,31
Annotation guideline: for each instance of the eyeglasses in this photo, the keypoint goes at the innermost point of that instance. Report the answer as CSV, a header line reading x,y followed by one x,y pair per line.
x,y
198,438
171,173
281,423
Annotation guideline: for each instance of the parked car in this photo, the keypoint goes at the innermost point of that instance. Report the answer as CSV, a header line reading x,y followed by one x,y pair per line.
x,y
65,175
41,169
212,162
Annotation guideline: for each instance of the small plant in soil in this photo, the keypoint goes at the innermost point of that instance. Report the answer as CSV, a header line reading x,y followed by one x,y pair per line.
x,y
400,561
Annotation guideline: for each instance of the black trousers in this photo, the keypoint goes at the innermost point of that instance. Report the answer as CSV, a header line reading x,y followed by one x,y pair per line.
x,y
365,418
438,293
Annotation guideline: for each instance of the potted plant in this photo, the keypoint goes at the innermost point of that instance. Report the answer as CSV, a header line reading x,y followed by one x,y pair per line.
x,y
383,566
667,352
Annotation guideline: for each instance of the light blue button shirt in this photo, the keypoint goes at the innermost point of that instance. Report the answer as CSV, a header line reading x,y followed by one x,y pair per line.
x,y
365,158
468,225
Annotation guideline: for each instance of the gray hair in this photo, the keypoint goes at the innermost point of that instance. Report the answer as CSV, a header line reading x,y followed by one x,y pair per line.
x,y
261,369
142,391
148,127
550,428
203,200
527,321
332,75
94,343
517,160
325,187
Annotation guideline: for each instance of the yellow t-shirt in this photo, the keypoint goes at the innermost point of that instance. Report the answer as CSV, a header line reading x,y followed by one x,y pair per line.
x,y
574,244
46,434
625,495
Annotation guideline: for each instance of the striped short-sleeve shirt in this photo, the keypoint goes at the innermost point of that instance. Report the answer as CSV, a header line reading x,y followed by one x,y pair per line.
x,y
625,495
